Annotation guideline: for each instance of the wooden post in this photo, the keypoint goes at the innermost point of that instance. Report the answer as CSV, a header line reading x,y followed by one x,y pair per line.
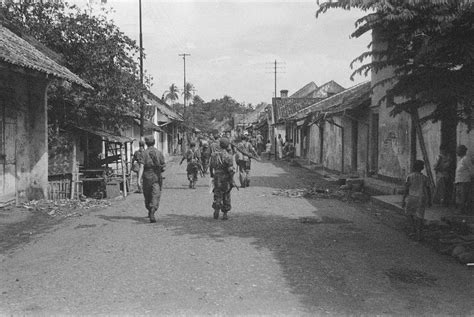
x,y
124,177
419,133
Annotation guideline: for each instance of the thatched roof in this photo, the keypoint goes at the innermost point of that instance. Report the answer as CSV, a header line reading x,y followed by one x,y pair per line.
x,y
16,51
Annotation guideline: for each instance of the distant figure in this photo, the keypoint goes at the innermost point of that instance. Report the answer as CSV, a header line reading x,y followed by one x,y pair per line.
x,y
289,150
193,158
244,161
205,156
416,197
151,169
444,178
280,144
463,180
268,149
260,145
136,159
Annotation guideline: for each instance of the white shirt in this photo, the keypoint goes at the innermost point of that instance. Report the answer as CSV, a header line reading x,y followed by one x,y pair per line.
x,y
464,170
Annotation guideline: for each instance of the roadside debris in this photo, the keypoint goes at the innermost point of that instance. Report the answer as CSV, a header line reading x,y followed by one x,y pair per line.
x,y
320,193
64,207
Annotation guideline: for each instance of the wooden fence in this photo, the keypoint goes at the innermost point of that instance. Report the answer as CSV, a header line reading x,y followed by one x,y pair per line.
x,y
60,186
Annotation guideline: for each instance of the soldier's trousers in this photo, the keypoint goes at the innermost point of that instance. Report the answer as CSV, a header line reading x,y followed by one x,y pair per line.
x,y
151,192
244,172
221,195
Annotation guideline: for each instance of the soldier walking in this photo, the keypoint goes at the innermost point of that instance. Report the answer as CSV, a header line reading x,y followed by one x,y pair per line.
x,y
193,158
205,156
222,171
136,159
245,150
152,166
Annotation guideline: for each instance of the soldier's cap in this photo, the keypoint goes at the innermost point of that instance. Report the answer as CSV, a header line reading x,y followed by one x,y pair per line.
x,y
224,142
141,143
149,140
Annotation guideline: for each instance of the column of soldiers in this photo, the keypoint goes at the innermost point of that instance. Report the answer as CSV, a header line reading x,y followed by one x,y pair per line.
x,y
214,155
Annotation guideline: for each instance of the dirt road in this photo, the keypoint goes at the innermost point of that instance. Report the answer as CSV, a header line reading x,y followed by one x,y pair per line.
x,y
276,255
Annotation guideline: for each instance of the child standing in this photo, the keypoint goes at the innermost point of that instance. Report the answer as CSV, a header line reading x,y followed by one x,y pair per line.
x,y
416,197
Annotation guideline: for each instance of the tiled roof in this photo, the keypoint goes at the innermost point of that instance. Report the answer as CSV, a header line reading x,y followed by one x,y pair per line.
x,y
249,118
347,99
16,51
162,107
284,108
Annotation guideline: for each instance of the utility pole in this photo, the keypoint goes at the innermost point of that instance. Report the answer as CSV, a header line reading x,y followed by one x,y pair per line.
x,y
184,95
277,68
142,104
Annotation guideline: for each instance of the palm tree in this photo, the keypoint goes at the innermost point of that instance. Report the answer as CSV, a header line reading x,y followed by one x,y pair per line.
x,y
171,94
188,91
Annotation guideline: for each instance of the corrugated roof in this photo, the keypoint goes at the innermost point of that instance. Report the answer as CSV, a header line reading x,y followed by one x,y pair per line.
x,y
347,99
105,135
16,51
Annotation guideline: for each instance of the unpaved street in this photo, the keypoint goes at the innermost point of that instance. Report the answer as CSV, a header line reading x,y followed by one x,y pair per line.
x,y
276,255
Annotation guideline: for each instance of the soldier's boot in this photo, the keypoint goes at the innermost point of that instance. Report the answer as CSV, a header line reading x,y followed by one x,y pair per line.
x,y
152,215
190,184
216,214
225,217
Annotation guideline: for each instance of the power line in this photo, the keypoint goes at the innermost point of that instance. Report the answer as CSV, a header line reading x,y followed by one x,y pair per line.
x,y
277,67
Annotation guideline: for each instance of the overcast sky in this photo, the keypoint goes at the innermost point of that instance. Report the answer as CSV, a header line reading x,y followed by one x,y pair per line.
x,y
233,45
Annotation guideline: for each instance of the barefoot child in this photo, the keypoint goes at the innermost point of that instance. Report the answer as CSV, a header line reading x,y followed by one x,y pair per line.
x,y
417,196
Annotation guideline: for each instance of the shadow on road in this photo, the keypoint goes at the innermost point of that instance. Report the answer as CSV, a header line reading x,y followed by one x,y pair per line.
x,y
139,220
306,251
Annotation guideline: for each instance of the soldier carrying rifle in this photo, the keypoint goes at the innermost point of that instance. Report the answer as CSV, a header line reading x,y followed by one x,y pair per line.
x,y
193,157
222,171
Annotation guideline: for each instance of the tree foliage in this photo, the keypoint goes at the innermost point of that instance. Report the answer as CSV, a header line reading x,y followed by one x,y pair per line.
x,y
429,45
172,94
94,48
207,115
188,91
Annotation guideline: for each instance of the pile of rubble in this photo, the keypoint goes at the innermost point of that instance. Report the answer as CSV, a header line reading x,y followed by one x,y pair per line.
x,y
65,207
322,193
455,239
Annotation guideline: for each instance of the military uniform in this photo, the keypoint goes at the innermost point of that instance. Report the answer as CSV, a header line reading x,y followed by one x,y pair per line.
x,y
205,157
243,162
153,165
222,171
193,158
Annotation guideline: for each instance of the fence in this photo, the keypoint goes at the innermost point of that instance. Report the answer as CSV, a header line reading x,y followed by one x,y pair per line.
x,y
60,186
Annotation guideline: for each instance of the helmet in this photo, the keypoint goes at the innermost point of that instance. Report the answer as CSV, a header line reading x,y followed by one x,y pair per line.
x,y
224,143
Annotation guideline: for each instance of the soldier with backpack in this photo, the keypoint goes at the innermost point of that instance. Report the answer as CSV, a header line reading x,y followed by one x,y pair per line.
x,y
222,171
193,158
152,165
